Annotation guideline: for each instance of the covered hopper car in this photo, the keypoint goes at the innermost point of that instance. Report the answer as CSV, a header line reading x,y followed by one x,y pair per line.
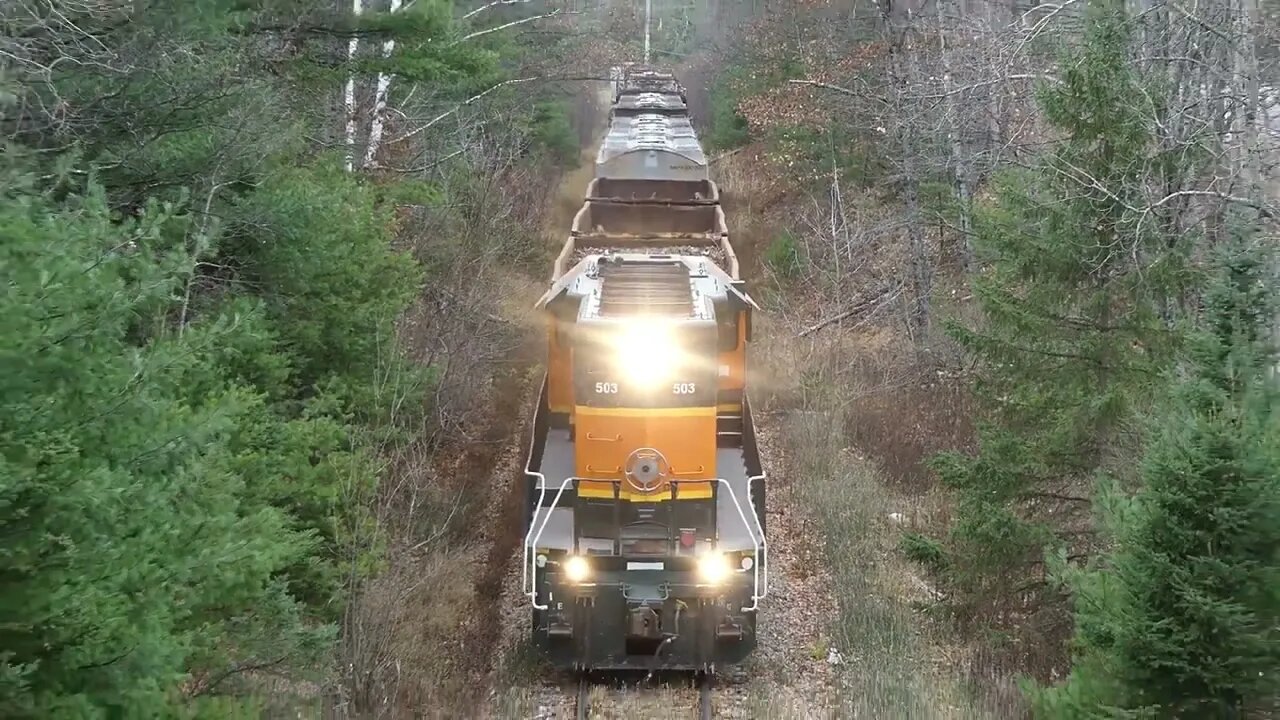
x,y
645,527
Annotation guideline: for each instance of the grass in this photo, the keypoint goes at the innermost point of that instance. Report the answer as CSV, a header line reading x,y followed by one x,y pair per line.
x,y
893,658
882,670
856,411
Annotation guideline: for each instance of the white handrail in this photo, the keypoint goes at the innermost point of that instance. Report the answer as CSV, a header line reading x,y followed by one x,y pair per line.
x,y
525,581
533,567
756,545
764,542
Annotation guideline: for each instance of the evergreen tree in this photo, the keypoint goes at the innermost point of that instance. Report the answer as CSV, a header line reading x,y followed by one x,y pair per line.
x,y
131,550
1183,618
1071,337
196,390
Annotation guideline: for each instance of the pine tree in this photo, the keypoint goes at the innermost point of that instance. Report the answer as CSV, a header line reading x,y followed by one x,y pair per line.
x,y
1071,339
195,391
132,555
1183,618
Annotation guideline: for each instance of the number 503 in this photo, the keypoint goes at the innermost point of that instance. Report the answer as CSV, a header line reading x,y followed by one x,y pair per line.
x,y
684,388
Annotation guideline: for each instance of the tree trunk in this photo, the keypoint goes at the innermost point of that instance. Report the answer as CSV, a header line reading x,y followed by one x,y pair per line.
x,y
904,59
380,100
962,176
350,92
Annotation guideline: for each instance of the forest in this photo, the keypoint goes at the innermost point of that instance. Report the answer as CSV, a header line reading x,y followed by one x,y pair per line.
x,y
267,348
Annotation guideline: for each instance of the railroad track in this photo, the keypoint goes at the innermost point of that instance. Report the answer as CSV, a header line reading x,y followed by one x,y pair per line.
x,y
583,706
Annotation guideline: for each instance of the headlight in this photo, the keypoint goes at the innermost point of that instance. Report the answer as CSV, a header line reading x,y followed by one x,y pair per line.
x,y
645,355
747,562
576,569
713,568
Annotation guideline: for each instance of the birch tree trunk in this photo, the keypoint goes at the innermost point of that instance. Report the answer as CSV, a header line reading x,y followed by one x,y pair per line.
x,y
357,6
380,100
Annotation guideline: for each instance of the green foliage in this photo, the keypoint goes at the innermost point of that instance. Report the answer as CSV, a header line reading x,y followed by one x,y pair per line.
x,y
553,133
783,256
728,128
167,99
427,49
1183,619
311,239
134,551
203,490
924,550
818,152
1072,342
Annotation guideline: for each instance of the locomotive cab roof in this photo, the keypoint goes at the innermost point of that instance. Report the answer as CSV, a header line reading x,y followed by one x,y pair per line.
x,y
619,286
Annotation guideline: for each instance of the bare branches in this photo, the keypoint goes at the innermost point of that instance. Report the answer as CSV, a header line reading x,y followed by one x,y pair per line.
x,y
1041,23
993,81
934,96
1263,209
504,26
493,4
874,302
465,103
827,86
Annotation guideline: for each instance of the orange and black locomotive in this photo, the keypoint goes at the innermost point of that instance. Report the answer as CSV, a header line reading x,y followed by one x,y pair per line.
x,y
645,536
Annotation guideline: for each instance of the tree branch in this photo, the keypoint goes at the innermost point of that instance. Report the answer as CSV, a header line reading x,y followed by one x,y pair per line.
x,y
825,86
471,100
433,121
495,3
504,26
987,83
1262,208
863,305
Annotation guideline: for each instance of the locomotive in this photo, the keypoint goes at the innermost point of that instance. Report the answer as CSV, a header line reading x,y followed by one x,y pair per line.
x,y
644,493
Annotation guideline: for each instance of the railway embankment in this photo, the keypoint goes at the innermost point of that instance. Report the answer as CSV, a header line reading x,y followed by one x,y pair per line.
x,y
842,458
421,635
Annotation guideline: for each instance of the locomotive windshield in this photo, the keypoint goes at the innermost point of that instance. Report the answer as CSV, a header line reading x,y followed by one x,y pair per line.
x,y
647,364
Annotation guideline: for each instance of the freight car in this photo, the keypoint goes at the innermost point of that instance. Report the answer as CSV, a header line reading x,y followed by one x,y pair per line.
x,y
645,536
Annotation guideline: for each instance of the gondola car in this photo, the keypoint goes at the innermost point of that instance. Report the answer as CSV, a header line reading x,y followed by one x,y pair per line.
x,y
644,526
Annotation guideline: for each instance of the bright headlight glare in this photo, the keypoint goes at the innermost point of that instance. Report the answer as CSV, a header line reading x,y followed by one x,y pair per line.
x,y
576,569
645,355
713,568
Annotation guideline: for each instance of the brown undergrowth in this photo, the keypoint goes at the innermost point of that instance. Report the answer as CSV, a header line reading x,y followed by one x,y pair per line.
x,y
418,635
859,408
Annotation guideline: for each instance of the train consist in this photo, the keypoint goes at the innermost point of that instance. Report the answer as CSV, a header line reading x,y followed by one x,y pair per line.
x,y
645,526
